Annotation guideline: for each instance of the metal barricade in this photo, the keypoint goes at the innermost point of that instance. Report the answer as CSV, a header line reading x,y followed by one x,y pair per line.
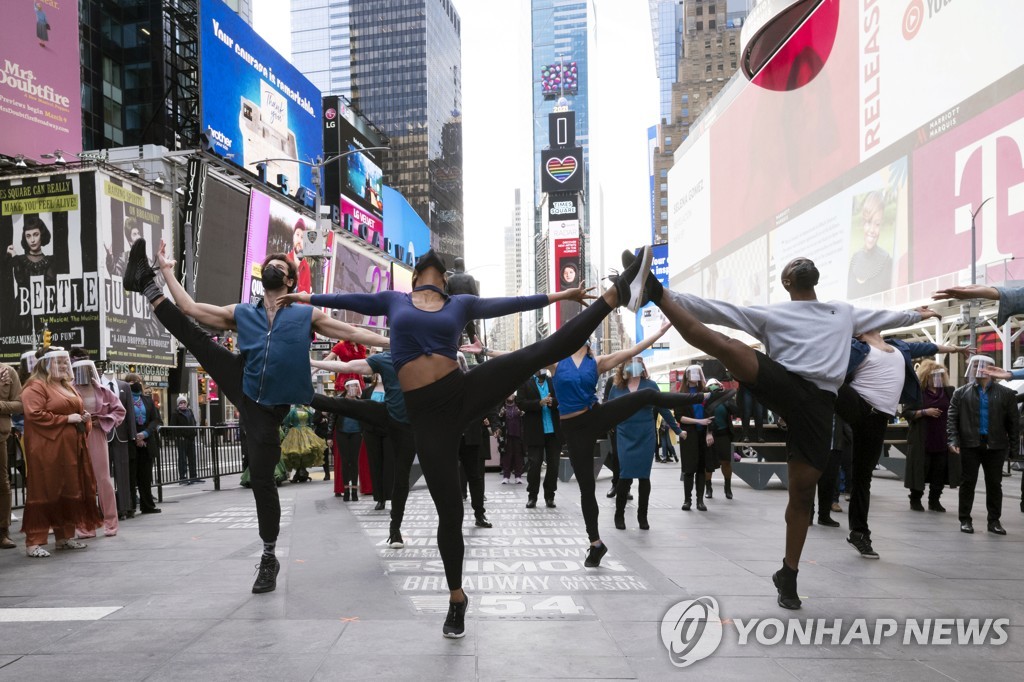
x,y
218,452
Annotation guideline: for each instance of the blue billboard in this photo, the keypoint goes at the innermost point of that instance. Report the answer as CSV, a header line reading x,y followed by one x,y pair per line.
x,y
409,235
255,104
649,318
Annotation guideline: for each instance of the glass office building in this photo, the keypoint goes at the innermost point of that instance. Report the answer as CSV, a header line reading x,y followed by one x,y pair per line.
x,y
399,62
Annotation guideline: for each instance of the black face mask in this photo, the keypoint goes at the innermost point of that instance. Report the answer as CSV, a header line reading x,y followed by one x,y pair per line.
x,y
136,387
272,278
804,275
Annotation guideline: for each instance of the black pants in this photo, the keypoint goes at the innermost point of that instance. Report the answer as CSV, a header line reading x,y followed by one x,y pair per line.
x,y
187,459
348,448
936,475
472,475
551,453
399,433
144,477
122,483
828,483
260,423
868,437
441,412
750,407
612,462
693,458
582,431
133,476
382,463
991,461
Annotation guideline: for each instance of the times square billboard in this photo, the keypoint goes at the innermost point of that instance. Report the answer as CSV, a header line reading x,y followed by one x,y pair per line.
x,y
875,164
40,80
256,103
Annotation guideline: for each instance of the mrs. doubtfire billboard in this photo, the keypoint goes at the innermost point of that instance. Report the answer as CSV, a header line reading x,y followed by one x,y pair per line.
x,y
258,105
40,83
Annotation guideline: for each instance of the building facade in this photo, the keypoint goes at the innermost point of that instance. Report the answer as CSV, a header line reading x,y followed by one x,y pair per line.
x,y
707,56
400,63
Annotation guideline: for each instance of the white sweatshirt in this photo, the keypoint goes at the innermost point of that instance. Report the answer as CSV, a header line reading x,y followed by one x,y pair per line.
x,y
809,338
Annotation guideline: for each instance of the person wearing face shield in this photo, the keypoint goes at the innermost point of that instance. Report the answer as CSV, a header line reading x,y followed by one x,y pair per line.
x,y
982,428
348,433
696,458
61,492
807,350
929,460
721,433
107,413
880,377
636,437
269,373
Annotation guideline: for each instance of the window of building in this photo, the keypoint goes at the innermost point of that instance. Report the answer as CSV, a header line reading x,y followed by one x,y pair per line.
x,y
664,187
664,215
664,201
732,64
700,25
700,11
685,113
721,67
707,68
685,98
707,44
711,24
668,141
664,173
711,9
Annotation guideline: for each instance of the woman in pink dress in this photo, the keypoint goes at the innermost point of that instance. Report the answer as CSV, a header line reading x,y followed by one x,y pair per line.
x,y
106,412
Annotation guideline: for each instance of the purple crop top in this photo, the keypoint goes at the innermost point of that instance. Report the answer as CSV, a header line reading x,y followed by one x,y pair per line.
x,y
416,332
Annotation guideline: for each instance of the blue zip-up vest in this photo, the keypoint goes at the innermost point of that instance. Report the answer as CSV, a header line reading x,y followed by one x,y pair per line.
x,y
277,368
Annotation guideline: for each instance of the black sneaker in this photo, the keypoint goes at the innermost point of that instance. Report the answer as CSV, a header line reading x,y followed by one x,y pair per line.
x,y
455,623
631,283
594,555
828,521
863,544
549,502
395,540
785,582
915,505
531,503
611,493
482,522
138,272
935,506
652,288
266,575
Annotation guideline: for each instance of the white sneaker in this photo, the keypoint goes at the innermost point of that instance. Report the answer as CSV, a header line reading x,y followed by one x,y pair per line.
x,y
504,481
636,286
519,480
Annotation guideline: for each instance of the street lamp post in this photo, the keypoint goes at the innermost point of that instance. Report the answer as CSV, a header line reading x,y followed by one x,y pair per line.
x,y
317,168
974,272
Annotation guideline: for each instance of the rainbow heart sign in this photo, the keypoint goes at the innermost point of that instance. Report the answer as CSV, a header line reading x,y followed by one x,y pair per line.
x,y
561,169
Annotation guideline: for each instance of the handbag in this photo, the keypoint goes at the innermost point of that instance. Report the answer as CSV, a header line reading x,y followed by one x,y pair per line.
x,y
47,27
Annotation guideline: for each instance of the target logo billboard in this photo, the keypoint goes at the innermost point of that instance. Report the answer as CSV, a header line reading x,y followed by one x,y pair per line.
x,y
691,631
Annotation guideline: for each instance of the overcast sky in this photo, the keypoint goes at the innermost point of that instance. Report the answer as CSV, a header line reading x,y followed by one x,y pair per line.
x,y
497,138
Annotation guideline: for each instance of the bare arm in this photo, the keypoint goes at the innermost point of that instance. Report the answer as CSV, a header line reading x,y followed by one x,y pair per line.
x,y
336,329
351,367
606,362
214,316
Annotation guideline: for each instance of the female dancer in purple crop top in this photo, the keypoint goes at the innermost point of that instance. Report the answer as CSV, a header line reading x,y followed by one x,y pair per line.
x,y
442,401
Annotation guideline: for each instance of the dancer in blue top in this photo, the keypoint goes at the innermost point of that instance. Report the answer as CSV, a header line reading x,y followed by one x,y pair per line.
x,y
636,437
442,401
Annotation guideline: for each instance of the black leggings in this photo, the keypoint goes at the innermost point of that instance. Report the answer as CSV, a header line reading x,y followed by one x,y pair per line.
x,y
348,448
622,496
260,423
399,433
582,431
440,412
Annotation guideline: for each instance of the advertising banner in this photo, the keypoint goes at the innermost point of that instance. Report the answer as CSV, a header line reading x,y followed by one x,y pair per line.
x,y
953,175
358,271
561,170
126,213
650,318
48,264
362,179
689,206
564,229
364,224
563,208
409,235
568,274
40,80
906,46
273,228
220,242
258,105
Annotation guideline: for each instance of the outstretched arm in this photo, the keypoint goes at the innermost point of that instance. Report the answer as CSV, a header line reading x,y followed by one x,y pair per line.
x,y
214,316
351,367
364,304
477,348
867,320
336,329
606,362
480,308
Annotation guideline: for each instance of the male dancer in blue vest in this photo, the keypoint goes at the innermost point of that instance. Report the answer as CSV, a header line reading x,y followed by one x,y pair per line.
x,y
269,373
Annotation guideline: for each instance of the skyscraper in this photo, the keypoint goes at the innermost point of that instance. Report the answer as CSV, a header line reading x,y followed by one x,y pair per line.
x,y
400,63
667,30
706,60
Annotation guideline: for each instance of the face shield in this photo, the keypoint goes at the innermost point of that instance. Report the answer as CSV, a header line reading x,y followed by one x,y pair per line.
x,y
975,364
714,385
352,388
28,361
84,373
694,374
57,364
635,368
937,379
